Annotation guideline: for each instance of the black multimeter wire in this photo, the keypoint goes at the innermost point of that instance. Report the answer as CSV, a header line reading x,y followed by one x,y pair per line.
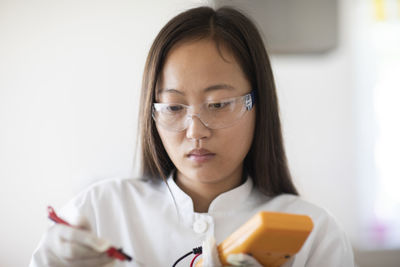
x,y
197,250
181,258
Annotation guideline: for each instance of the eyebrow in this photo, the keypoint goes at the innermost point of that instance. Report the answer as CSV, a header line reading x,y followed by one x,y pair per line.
x,y
219,86
207,89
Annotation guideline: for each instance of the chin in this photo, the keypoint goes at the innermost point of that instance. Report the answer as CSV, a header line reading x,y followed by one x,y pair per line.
x,y
203,175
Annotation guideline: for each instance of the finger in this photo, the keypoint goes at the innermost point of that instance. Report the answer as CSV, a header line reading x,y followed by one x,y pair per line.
x,y
83,237
242,260
74,251
100,260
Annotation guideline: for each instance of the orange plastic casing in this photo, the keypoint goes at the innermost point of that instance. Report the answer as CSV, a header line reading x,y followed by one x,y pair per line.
x,y
272,238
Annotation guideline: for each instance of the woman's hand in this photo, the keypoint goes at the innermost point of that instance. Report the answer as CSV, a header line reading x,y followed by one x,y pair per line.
x,y
64,246
211,258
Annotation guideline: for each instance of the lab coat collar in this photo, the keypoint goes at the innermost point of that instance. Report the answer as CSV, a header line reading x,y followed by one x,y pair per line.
x,y
224,203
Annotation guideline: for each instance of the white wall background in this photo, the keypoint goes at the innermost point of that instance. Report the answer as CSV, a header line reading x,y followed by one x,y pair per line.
x,y
70,75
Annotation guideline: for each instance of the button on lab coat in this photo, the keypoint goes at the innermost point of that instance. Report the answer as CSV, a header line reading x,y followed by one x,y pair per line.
x,y
156,229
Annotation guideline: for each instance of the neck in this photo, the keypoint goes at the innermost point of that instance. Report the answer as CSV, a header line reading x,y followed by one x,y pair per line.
x,y
203,193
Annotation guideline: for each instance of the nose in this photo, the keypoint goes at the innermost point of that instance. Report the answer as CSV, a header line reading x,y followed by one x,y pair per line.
x,y
197,130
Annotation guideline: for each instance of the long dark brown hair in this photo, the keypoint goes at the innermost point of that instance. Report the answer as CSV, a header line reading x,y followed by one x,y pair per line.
x,y
266,160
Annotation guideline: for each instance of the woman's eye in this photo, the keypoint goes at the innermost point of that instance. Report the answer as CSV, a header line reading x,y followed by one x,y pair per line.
x,y
173,108
219,105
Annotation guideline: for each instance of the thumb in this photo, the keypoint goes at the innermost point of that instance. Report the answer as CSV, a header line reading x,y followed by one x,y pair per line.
x,y
210,253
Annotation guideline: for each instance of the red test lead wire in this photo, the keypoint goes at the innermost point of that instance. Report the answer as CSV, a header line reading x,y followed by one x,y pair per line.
x,y
111,252
194,258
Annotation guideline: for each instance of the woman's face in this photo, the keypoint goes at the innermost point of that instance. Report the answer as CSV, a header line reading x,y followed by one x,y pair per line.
x,y
195,72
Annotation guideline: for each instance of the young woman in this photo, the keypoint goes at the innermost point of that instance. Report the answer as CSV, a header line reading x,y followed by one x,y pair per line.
x,y
212,157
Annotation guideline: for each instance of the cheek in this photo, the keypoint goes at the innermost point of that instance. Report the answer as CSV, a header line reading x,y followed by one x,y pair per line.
x,y
238,139
171,141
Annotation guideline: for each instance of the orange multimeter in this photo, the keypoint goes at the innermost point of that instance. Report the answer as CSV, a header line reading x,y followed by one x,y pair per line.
x,y
272,238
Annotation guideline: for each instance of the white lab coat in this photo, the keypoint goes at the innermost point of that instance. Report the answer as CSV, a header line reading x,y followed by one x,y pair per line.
x,y
141,217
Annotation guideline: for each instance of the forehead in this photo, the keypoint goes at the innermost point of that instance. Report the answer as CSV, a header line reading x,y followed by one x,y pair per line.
x,y
198,65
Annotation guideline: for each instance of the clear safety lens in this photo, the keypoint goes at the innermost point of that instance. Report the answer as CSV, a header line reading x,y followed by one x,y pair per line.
x,y
214,115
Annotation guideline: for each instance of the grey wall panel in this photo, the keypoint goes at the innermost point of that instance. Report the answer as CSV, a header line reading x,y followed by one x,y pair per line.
x,y
293,26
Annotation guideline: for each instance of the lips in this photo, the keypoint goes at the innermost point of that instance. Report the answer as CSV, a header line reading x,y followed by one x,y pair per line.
x,y
200,155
